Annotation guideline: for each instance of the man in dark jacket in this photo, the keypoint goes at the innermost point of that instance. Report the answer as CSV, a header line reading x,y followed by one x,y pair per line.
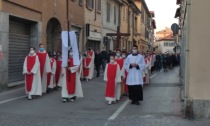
x,y
98,62
104,58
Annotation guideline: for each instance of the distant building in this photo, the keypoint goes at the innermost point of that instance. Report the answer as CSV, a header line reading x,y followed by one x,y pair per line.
x,y
163,33
166,44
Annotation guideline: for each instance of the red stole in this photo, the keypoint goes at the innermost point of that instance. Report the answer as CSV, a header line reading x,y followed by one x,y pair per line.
x,y
86,62
120,62
58,70
91,53
42,60
111,77
49,74
145,61
70,78
31,60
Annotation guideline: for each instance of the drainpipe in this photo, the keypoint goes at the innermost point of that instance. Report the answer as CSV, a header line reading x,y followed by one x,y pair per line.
x,y
186,81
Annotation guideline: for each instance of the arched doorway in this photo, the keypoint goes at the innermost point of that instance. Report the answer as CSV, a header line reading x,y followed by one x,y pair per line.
x,y
53,35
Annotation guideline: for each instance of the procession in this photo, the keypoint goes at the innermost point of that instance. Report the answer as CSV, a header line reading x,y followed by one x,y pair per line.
x,y
125,73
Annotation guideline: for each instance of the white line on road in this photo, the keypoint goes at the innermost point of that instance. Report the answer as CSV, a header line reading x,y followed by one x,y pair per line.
x,y
153,76
12,99
119,110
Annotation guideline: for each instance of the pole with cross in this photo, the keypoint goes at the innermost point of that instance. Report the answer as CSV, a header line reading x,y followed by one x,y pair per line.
x,y
118,35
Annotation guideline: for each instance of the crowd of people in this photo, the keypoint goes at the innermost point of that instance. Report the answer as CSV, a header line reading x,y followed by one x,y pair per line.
x,y
124,72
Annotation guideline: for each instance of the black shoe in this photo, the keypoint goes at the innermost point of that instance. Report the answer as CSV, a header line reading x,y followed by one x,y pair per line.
x,y
133,102
138,103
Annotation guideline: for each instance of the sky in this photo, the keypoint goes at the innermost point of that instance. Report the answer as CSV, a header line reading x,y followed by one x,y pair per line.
x,y
164,12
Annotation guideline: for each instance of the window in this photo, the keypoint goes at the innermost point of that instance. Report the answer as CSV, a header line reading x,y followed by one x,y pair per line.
x,y
128,15
115,15
135,24
90,4
166,44
99,6
108,12
124,12
142,15
81,2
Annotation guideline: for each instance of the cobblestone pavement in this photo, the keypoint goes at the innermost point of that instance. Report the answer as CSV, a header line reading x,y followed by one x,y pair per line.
x,y
161,107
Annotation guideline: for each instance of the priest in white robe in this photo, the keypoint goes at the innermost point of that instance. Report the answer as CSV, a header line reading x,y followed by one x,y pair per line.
x,y
31,70
44,66
91,66
135,64
112,76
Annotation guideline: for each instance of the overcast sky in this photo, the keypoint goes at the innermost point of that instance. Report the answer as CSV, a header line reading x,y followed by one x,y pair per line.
x,y
164,12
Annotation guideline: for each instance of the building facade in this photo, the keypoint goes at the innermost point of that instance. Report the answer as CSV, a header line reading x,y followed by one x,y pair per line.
x,y
153,27
145,26
130,18
194,40
93,24
110,15
28,23
166,44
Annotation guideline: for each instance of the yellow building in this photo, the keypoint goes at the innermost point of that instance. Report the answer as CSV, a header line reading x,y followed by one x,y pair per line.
x,y
144,25
130,14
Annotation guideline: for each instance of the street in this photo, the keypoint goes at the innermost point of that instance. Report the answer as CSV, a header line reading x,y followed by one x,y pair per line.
x,y
161,107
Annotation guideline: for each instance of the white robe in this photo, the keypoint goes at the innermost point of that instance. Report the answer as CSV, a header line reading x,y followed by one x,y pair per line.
x,y
135,76
78,88
47,69
36,84
117,84
52,78
91,66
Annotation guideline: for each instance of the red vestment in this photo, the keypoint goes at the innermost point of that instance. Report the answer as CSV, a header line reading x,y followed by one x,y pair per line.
x,y
70,78
31,60
86,63
111,80
49,74
120,62
42,60
58,70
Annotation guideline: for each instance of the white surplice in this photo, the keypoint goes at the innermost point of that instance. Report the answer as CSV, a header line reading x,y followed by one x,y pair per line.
x,y
117,83
135,76
78,88
36,84
52,78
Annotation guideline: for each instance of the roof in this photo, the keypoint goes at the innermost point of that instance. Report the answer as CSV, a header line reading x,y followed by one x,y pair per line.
x,y
144,5
167,38
166,30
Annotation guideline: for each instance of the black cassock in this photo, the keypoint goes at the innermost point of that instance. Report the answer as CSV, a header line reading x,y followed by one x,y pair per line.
x,y
135,93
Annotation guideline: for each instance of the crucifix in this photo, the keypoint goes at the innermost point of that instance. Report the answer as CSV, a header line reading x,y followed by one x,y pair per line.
x,y
118,35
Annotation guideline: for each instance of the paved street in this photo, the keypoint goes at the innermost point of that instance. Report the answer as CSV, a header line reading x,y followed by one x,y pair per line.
x,y
161,107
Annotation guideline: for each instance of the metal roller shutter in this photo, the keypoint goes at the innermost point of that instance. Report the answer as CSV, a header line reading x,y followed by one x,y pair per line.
x,y
19,39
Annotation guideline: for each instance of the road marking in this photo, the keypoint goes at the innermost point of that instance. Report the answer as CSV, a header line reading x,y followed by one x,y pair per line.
x,y
153,76
119,110
12,99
